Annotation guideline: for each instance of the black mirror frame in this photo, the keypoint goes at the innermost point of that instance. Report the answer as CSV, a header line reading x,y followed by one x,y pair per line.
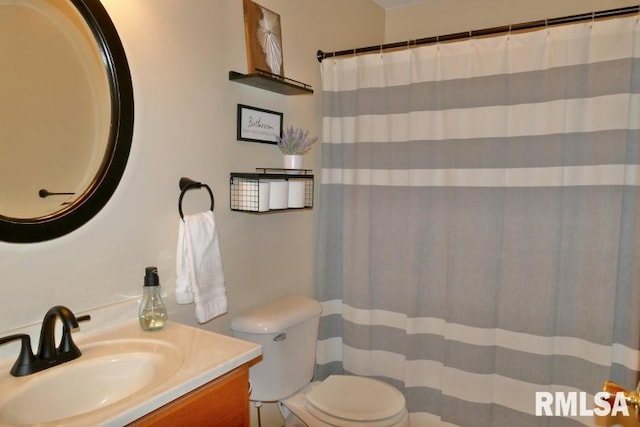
x,y
116,156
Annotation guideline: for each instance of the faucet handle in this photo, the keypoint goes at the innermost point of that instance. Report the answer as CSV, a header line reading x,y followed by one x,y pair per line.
x,y
26,360
67,347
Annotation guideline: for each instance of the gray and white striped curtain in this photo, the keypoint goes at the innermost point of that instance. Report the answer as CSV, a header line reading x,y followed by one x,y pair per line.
x,y
479,237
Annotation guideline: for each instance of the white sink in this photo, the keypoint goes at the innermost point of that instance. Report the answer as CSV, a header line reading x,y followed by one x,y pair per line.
x,y
106,373
123,374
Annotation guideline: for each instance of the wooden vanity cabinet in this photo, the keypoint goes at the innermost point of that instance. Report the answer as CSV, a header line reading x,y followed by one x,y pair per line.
x,y
223,402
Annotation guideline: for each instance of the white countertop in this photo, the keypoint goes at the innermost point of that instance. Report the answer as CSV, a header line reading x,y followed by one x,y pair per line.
x,y
206,356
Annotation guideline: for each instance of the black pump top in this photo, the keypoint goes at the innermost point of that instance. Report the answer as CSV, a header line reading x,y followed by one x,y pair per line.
x,y
151,276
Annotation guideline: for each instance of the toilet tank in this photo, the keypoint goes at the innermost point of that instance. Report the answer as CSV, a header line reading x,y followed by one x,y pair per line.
x,y
287,329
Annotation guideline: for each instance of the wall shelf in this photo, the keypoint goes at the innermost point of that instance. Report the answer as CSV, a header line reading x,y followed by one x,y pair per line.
x,y
271,190
271,82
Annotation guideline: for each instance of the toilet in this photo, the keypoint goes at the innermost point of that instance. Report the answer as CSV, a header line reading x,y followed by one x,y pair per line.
x,y
287,329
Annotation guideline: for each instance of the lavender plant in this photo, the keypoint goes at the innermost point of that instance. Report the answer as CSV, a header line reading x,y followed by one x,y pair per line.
x,y
295,141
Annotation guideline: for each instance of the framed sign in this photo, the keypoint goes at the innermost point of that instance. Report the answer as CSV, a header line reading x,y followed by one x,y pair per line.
x,y
259,125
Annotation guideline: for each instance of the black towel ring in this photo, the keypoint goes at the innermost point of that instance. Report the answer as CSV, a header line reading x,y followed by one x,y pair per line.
x,y
187,184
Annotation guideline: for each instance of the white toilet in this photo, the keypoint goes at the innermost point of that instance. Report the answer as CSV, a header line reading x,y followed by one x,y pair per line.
x,y
287,329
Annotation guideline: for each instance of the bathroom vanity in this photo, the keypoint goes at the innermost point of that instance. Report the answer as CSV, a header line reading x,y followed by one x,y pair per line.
x,y
223,402
179,375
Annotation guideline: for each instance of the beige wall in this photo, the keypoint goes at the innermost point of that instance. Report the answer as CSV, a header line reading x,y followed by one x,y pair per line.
x,y
180,53
438,17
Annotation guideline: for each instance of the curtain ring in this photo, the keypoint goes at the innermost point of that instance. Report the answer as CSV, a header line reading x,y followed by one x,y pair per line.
x,y
509,34
593,19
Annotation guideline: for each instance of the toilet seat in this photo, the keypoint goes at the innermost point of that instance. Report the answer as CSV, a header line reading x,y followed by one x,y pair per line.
x,y
345,401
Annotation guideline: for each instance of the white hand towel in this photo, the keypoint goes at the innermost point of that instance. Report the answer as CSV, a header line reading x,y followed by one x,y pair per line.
x,y
200,278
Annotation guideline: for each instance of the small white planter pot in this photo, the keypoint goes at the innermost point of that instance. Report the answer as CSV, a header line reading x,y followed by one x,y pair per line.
x,y
293,161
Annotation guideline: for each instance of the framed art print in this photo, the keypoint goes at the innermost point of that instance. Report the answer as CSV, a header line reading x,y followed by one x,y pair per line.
x,y
258,125
264,39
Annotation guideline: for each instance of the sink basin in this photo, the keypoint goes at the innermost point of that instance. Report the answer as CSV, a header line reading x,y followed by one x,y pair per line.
x,y
106,373
124,373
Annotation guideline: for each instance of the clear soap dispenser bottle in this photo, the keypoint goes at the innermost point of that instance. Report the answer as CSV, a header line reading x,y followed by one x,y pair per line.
x,y
153,312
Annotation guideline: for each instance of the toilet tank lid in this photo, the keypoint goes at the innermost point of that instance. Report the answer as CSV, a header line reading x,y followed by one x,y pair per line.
x,y
277,315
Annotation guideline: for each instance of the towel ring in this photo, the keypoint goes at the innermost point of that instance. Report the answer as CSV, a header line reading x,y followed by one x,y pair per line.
x,y
187,184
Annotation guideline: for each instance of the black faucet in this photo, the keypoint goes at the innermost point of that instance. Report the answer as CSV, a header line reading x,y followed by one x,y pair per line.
x,y
48,355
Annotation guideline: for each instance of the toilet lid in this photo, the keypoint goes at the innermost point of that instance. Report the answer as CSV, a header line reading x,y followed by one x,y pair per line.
x,y
356,398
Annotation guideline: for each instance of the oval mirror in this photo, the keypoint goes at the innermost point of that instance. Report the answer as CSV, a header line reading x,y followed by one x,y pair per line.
x,y
66,116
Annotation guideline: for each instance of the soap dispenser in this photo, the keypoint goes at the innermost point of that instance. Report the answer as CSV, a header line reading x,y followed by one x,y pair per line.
x,y
153,312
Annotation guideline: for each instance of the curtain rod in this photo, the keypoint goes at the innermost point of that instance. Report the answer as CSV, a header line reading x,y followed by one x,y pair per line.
x,y
485,32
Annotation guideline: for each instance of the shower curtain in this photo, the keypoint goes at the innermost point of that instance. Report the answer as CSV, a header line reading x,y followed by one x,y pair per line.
x,y
479,237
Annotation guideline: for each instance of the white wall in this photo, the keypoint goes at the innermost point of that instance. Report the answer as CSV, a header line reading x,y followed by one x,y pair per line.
x,y
440,17
180,53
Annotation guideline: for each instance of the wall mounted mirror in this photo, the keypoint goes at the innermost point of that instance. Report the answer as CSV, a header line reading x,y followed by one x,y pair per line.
x,y
66,116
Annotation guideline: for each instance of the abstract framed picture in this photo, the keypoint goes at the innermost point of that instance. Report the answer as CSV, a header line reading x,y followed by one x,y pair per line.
x,y
264,39
258,125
